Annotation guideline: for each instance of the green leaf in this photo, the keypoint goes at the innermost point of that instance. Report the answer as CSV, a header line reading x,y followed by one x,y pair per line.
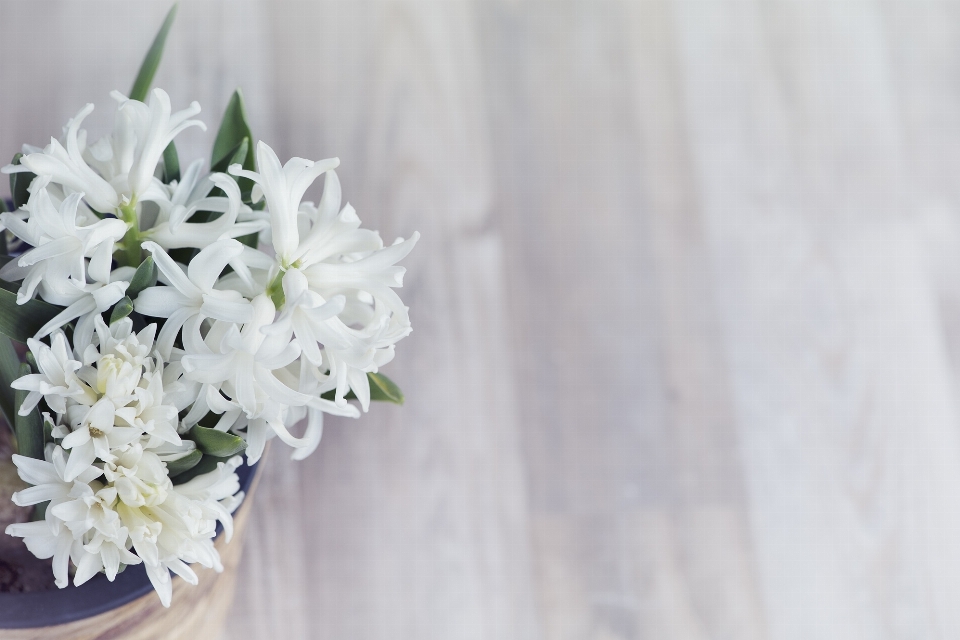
x,y
233,129
29,428
47,429
217,443
237,155
40,512
146,276
19,182
171,164
3,205
9,371
206,465
150,63
23,321
185,463
122,309
382,389
252,240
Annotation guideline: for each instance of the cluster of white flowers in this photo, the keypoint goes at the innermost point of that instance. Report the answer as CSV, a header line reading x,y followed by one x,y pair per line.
x,y
115,417
248,341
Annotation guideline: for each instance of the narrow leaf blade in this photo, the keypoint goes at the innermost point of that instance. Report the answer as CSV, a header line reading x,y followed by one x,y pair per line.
x,y
121,310
29,428
23,321
217,443
233,129
184,464
206,465
9,371
171,164
145,276
237,155
152,60
383,389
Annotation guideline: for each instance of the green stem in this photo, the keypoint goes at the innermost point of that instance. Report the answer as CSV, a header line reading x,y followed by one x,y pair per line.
x,y
131,253
275,290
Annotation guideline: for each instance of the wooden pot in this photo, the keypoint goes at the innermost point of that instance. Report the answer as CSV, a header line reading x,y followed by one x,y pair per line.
x,y
195,612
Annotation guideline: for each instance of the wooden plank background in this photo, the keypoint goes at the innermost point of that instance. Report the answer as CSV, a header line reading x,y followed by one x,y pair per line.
x,y
686,307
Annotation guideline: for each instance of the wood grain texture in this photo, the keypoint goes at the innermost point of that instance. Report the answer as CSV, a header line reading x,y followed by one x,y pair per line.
x,y
686,357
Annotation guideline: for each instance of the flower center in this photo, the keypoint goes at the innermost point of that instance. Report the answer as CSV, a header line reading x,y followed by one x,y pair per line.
x,y
95,433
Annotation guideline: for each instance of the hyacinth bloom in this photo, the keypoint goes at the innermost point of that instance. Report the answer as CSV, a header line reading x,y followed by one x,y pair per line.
x,y
172,339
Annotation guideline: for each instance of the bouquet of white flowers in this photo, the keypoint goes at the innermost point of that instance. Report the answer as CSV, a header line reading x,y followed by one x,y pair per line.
x,y
172,322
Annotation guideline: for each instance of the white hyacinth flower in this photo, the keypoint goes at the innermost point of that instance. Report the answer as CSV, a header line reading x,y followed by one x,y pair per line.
x,y
61,245
117,170
244,375
114,398
173,230
57,379
192,294
79,524
128,512
336,279
283,187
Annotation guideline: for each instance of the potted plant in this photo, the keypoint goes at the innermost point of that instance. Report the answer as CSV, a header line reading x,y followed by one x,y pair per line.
x,y
157,328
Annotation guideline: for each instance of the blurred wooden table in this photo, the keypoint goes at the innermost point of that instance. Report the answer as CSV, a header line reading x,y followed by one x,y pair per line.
x,y
686,307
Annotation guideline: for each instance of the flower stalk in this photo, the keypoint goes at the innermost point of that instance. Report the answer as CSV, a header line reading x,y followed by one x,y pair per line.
x,y
131,252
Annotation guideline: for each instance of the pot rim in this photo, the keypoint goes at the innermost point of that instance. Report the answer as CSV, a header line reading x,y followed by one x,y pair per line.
x,y
52,607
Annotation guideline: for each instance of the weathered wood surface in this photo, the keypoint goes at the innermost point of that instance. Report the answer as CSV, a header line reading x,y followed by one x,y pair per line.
x,y
686,307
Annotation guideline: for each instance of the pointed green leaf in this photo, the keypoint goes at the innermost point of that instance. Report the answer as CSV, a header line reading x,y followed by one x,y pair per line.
x,y
233,129
29,428
40,512
237,155
206,465
252,240
47,429
152,60
9,371
19,183
185,463
171,164
23,321
217,443
146,276
122,309
382,389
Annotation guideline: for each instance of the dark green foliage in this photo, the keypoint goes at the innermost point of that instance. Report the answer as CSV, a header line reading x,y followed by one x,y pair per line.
x,y
141,86
23,321
28,428
184,464
121,310
9,371
217,443
146,276
171,164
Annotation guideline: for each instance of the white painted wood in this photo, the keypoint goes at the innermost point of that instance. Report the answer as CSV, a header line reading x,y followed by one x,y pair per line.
x,y
846,415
